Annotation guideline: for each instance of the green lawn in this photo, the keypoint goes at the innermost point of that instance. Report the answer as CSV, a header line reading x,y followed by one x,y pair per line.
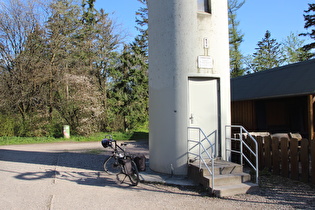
x,y
136,135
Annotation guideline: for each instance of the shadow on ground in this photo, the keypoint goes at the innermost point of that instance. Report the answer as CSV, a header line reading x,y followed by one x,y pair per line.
x,y
84,169
81,168
139,136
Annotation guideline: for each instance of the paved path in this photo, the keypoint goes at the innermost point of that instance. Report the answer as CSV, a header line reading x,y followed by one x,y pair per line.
x,y
70,176
66,176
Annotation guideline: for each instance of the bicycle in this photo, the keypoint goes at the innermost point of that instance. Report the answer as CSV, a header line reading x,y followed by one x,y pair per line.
x,y
119,162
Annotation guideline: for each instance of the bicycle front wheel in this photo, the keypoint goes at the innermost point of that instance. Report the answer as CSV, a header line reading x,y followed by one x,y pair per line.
x,y
111,165
134,175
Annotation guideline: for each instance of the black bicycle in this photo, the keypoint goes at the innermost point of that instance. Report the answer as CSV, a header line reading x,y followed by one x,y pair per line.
x,y
119,162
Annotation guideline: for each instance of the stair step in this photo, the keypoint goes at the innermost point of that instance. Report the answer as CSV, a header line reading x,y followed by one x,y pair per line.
x,y
230,190
221,167
228,179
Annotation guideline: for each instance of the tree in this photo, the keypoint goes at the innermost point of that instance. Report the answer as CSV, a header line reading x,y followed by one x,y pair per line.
x,y
236,38
129,93
142,39
22,73
268,54
142,19
309,18
81,44
292,46
105,61
62,29
67,68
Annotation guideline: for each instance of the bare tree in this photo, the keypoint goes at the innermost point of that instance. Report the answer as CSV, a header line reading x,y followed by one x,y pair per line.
x,y
20,46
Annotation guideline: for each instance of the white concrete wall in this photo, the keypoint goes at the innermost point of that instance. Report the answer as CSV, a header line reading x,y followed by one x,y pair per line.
x,y
176,32
219,51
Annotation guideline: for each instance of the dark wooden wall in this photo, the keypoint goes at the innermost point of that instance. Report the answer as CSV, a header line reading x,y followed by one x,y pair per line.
x,y
279,115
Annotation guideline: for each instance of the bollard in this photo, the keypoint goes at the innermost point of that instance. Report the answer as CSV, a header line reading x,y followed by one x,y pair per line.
x,y
66,131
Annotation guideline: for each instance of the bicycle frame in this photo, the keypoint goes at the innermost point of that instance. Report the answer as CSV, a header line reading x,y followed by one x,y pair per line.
x,y
120,157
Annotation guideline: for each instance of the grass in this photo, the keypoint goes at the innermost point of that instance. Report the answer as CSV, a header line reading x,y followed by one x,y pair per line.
x,y
134,135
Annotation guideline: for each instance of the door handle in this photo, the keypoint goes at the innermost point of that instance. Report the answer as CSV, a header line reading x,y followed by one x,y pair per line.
x,y
191,118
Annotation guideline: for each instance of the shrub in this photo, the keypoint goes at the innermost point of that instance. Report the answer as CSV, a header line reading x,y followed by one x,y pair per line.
x,y
7,125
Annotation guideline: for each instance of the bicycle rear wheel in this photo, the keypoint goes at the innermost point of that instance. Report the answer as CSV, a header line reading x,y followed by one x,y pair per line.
x,y
134,175
111,165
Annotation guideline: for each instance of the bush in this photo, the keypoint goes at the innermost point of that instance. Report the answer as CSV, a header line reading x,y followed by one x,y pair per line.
x,y
7,125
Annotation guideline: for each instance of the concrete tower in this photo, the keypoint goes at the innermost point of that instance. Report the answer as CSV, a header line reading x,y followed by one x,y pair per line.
x,y
189,82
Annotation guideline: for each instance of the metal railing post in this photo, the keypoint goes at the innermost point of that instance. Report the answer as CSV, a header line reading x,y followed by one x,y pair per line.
x,y
201,148
242,144
199,152
257,168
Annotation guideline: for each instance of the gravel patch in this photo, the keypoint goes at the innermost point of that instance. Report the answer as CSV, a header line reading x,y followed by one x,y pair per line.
x,y
275,192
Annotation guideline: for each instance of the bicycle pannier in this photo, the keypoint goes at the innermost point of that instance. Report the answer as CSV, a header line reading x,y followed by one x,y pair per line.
x,y
140,162
127,165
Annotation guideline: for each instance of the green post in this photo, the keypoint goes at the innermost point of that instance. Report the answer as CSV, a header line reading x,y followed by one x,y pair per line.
x,y
66,131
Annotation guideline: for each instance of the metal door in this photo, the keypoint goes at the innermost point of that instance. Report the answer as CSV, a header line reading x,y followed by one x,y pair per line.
x,y
203,111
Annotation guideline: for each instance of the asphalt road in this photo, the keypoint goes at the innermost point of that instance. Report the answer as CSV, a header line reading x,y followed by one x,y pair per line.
x,y
70,176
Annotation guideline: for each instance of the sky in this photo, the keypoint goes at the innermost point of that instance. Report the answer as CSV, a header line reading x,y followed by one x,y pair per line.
x,y
123,13
280,17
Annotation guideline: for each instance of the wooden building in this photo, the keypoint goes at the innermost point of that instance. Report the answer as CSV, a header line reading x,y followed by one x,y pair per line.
x,y
279,100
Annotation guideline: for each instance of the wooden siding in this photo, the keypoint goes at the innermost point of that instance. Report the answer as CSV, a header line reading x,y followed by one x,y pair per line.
x,y
278,115
243,114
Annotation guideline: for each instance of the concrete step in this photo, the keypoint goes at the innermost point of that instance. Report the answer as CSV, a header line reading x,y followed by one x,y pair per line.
x,y
230,190
229,179
221,167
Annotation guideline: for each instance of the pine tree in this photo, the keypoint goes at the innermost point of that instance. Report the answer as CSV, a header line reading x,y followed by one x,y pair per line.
x,y
129,92
56,70
293,49
81,40
268,54
309,18
105,61
61,29
236,38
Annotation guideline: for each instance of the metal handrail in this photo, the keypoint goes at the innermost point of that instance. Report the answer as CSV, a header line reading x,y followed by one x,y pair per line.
x,y
202,150
242,142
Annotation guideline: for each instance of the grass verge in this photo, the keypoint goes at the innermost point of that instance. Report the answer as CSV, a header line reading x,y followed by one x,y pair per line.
x,y
134,135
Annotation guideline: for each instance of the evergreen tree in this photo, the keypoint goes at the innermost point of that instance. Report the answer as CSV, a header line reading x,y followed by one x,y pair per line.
x,y
268,54
236,38
81,41
309,18
62,28
130,92
56,69
293,49
105,61
142,21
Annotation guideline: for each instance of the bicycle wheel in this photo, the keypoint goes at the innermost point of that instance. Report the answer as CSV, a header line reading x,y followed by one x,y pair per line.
x,y
111,165
134,175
